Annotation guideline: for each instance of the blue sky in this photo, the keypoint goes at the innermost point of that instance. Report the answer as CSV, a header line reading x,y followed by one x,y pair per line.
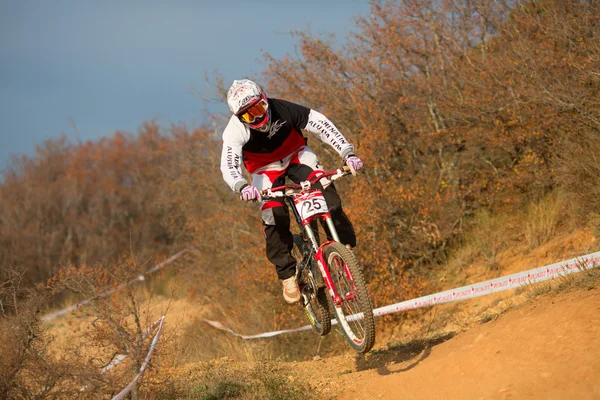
x,y
89,68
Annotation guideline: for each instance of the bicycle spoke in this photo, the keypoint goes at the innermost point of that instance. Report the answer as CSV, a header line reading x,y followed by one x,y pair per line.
x,y
350,312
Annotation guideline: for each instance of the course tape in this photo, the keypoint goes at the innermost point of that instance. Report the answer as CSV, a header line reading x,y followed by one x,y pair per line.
x,y
218,325
140,278
120,357
132,384
496,285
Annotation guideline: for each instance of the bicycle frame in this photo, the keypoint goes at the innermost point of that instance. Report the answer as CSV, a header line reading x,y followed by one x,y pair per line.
x,y
335,262
305,222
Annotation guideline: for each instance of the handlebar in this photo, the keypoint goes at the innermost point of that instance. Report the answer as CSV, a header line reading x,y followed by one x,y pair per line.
x,y
281,191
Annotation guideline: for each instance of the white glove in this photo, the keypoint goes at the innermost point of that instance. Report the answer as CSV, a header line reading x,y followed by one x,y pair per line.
x,y
250,193
354,163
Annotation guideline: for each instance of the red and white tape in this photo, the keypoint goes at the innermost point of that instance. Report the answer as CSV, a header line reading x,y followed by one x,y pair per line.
x,y
496,285
140,278
508,282
218,325
132,384
120,357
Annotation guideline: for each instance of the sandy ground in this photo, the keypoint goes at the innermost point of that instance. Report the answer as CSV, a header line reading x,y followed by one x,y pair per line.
x,y
546,349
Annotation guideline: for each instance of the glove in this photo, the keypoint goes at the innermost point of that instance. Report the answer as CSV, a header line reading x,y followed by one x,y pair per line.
x,y
250,193
354,163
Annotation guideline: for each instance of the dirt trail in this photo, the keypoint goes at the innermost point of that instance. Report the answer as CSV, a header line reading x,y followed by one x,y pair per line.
x,y
547,349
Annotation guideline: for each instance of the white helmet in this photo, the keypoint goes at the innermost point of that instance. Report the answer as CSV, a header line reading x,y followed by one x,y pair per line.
x,y
249,103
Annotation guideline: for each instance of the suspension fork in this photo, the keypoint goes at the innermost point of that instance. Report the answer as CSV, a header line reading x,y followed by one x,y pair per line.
x,y
319,256
308,229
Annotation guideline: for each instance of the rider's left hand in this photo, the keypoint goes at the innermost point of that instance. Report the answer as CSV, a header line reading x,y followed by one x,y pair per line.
x,y
354,163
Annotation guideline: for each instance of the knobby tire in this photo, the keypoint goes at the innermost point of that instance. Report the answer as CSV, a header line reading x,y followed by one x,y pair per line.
x,y
360,333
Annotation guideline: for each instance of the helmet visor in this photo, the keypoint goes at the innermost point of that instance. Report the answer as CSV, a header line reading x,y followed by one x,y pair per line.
x,y
254,112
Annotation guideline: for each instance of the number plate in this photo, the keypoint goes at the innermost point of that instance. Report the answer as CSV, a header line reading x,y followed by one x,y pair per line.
x,y
310,203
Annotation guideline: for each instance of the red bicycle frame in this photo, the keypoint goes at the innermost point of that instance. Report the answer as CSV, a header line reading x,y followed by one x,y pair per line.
x,y
300,196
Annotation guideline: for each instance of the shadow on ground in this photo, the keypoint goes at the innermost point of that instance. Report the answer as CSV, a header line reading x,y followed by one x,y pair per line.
x,y
412,352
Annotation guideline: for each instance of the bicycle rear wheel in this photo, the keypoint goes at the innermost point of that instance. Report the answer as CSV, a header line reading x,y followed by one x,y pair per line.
x,y
355,312
313,292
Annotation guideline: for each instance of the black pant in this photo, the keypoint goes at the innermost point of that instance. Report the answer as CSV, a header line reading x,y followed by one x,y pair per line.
x,y
279,238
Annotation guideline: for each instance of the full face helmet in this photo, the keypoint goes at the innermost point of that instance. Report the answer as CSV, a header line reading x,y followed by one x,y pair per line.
x,y
248,102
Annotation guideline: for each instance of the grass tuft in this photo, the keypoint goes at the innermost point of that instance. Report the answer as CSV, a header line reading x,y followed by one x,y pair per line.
x,y
542,219
220,379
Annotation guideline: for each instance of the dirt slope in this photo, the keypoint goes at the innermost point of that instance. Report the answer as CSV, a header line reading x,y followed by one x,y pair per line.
x,y
547,349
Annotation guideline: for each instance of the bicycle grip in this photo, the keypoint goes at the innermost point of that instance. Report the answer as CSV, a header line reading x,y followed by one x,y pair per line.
x,y
349,170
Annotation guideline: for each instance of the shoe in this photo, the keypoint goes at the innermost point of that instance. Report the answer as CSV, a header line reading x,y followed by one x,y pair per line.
x,y
291,291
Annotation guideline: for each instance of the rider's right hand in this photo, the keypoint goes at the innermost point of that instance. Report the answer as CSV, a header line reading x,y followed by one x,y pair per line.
x,y
250,193
354,162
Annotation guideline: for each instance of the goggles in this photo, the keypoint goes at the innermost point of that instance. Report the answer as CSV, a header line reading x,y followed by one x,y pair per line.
x,y
254,112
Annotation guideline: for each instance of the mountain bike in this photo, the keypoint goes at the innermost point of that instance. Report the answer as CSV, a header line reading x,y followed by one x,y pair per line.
x,y
327,273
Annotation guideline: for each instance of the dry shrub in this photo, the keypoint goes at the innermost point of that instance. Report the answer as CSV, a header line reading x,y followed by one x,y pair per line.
x,y
579,170
28,367
542,218
115,321
85,202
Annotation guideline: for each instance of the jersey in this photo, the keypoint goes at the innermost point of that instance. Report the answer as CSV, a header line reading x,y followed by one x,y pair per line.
x,y
255,149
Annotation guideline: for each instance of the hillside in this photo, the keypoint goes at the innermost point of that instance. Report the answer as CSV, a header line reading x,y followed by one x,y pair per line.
x,y
539,342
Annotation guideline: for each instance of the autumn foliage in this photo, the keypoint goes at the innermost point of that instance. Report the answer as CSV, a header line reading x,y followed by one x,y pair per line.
x,y
454,106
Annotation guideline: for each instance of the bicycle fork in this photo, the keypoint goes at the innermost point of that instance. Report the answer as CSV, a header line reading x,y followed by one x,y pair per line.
x,y
319,256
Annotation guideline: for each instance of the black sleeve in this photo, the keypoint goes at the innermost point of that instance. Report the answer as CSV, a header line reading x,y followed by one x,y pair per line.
x,y
295,113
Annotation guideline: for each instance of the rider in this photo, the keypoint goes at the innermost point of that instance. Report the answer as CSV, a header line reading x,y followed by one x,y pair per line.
x,y
265,133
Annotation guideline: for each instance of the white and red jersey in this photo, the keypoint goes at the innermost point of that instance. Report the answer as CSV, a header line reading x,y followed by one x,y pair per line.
x,y
258,149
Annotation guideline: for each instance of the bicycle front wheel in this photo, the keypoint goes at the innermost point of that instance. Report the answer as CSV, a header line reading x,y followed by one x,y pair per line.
x,y
354,314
